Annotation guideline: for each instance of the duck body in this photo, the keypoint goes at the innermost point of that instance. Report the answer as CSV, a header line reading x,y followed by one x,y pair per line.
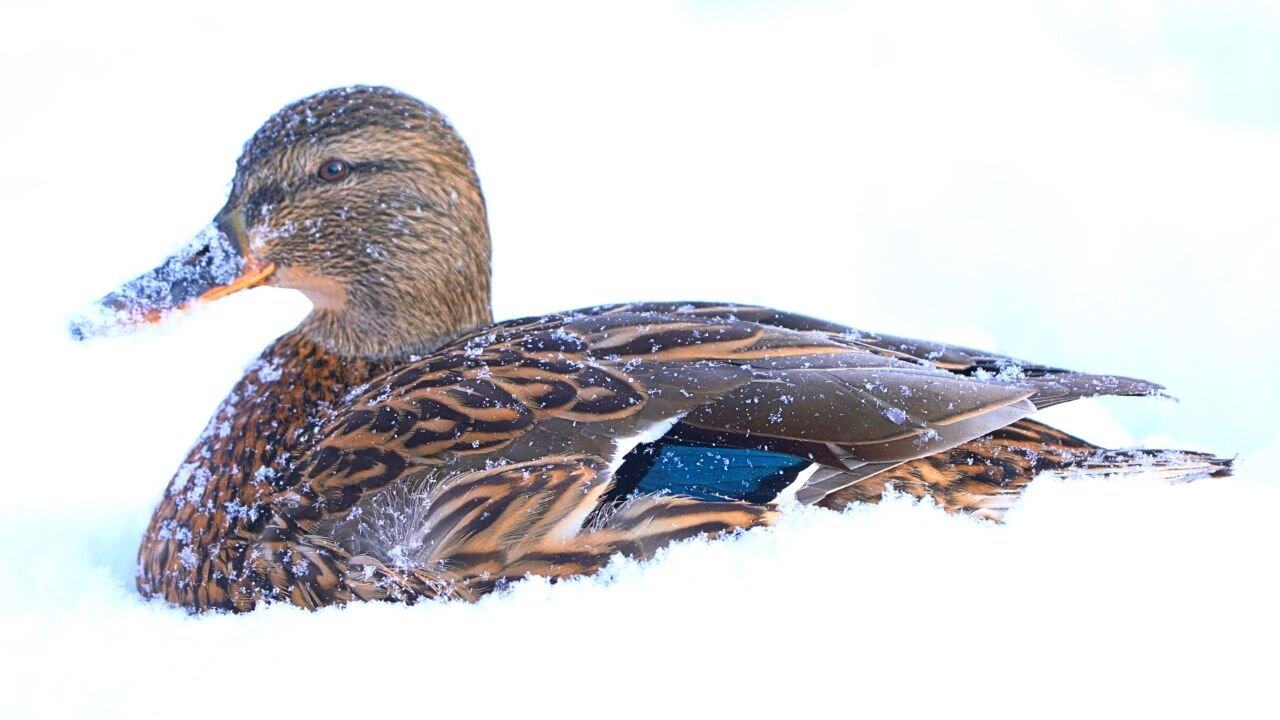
x,y
547,445
399,445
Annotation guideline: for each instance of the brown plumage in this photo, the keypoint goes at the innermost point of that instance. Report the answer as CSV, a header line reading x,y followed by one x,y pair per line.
x,y
194,549
985,477
397,446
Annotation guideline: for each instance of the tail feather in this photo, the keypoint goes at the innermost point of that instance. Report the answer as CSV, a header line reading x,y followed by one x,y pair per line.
x,y
985,477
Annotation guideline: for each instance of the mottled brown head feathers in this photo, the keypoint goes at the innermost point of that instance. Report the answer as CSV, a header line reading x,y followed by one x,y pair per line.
x,y
395,253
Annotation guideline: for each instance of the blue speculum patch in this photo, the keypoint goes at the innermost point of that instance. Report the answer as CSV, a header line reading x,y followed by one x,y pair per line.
x,y
707,472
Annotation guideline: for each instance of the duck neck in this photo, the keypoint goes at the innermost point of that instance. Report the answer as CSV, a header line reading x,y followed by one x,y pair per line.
x,y
193,552
395,330
390,317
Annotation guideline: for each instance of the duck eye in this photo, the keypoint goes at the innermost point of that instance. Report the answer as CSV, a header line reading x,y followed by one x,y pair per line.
x,y
334,170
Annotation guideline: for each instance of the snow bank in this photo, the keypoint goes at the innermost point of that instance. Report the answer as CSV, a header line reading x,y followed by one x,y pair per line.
x,y
1108,597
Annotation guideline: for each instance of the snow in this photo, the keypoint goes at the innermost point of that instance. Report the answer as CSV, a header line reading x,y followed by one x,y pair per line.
x,y
1075,184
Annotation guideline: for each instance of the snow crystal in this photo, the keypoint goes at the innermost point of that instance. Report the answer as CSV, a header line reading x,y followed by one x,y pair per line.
x,y
237,510
188,557
896,415
268,371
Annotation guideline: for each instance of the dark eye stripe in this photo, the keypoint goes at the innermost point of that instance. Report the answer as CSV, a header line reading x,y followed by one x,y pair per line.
x,y
379,165
274,193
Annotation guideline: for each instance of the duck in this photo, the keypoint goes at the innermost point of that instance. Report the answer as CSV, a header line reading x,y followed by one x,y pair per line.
x,y
399,445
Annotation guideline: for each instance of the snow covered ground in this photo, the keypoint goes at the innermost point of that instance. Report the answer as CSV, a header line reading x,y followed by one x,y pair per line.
x,y
1072,183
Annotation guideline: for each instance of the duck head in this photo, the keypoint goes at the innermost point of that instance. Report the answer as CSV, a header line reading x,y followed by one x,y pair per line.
x,y
363,198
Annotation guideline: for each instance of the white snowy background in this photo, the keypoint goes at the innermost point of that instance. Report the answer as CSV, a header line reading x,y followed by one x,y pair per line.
x,y
1087,184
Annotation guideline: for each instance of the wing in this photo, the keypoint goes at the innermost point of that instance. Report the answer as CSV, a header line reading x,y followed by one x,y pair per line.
x,y
602,379
597,383
1053,385
600,382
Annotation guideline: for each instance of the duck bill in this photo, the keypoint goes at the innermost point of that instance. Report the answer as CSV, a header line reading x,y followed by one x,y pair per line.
x,y
216,263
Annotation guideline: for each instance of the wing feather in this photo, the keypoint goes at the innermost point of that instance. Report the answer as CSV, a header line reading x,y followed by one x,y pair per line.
x,y
552,401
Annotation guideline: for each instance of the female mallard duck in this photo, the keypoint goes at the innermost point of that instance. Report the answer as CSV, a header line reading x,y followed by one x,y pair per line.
x,y
398,445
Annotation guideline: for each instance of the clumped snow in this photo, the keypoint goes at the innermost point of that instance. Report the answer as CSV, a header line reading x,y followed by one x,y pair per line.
x,y
206,260
992,176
